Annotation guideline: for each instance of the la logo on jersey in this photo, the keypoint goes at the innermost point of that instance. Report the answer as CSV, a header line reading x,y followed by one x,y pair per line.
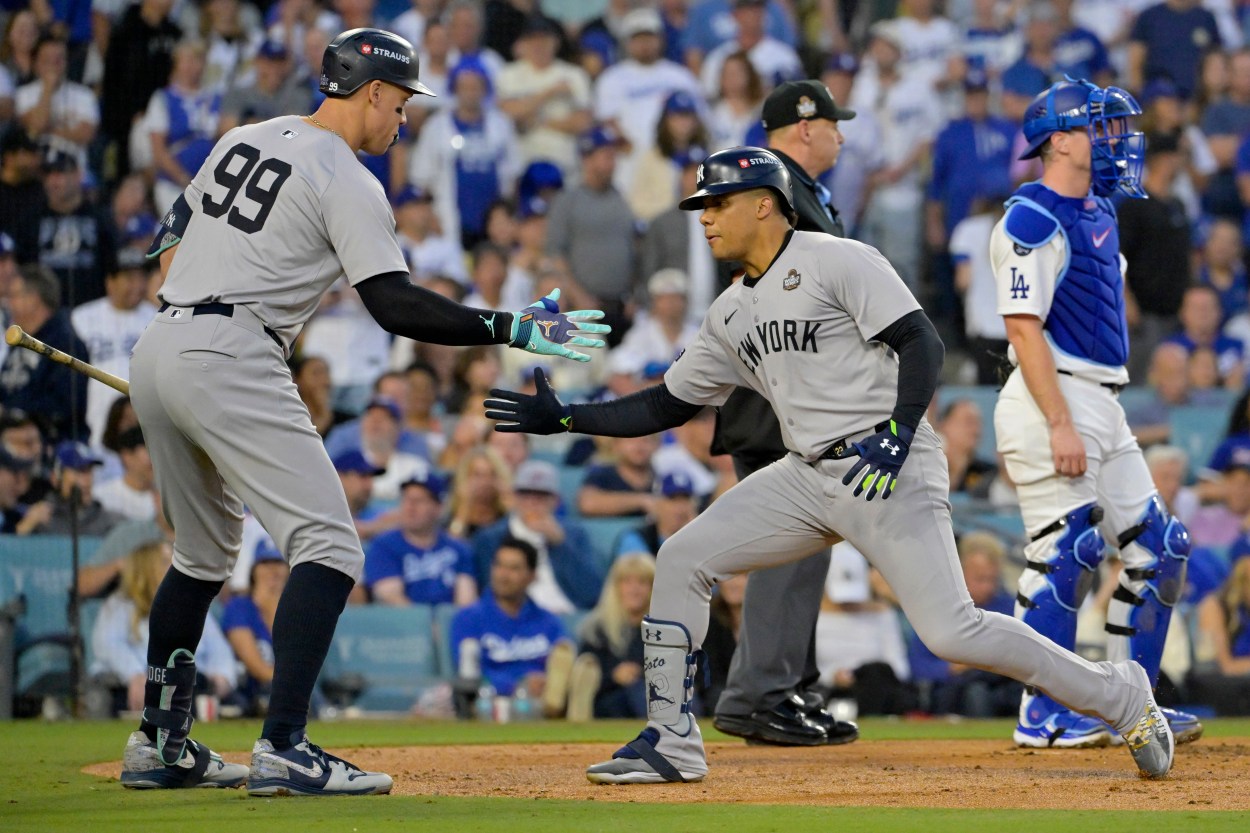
x,y
1019,289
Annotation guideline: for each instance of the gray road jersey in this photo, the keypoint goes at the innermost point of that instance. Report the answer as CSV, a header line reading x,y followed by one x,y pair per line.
x,y
800,336
280,210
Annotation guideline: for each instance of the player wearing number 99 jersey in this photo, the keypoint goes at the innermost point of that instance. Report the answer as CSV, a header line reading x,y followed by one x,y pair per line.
x,y
279,211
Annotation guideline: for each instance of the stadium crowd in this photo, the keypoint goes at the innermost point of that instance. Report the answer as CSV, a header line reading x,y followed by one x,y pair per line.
x,y
563,134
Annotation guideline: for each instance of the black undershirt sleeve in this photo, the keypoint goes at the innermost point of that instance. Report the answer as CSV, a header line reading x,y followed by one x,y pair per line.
x,y
417,313
920,353
648,411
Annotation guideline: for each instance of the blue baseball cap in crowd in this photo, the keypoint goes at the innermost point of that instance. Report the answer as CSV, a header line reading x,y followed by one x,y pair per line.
x,y
540,175
1160,88
412,193
599,136
429,480
676,484
354,462
842,62
680,101
386,404
976,79
77,456
266,550
273,50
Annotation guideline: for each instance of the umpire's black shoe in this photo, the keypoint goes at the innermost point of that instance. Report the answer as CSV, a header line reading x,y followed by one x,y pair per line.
x,y
784,724
836,731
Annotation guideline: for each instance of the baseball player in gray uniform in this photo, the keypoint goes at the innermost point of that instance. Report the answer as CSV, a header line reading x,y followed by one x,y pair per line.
x,y
827,331
278,211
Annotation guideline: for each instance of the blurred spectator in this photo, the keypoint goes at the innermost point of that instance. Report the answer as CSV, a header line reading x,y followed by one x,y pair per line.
x,y
119,639
774,60
947,688
859,640
960,426
275,91
466,155
1224,270
971,159
109,327
14,475
1170,387
21,192
311,375
531,245
1219,524
724,625
1167,41
712,23
133,495
131,219
1200,318
566,577
230,43
182,124
119,419
910,119
17,52
989,43
20,436
862,153
481,492
476,372
1225,119
1223,679
419,409
393,387
429,252
674,240
690,453
1036,69
1079,52
625,486
737,108
1155,241
29,381
356,474
631,93
72,480
656,172
658,335
930,43
464,29
974,280
1168,466
547,99
1165,112
410,25
137,64
514,633
611,639
380,427
1204,370
419,563
490,278
435,50
673,508
247,623
62,112
349,338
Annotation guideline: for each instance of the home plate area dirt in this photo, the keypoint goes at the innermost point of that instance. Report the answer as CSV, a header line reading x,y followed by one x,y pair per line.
x,y
1209,775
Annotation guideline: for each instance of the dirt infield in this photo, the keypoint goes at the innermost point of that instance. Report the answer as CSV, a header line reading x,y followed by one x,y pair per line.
x,y
1208,775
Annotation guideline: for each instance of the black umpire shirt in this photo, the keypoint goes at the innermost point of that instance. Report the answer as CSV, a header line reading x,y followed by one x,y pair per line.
x,y
746,426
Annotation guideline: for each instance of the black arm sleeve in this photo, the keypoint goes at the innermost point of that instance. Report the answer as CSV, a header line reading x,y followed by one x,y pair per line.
x,y
648,411
417,313
920,354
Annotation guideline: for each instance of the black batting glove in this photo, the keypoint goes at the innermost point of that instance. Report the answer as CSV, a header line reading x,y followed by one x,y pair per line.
x,y
542,413
882,456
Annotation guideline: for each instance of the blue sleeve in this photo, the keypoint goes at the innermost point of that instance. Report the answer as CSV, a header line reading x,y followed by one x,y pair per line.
x,y
465,565
925,665
484,544
1142,27
941,169
464,625
575,569
236,613
382,560
1243,157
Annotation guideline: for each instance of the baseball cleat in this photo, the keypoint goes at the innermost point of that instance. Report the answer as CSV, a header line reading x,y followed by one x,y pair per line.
x,y
199,766
1063,729
639,762
307,769
1150,740
1186,728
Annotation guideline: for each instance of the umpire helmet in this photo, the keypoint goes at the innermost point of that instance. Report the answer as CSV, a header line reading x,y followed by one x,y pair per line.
x,y
359,56
741,169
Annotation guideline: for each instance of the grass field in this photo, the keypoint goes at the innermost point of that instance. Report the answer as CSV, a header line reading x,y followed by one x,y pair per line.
x,y
43,790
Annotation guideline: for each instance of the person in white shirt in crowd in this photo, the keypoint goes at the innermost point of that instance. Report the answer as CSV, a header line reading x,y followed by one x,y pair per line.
x,y
631,93
660,333
435,53
133,495
52,106
182,124
464,30
974,280
410,25
910,116
428,251
989,42
356,348
930,44
393,386
119,639
110,326
862,153
656,174
774,60
380,427
547,99
231,40
737,109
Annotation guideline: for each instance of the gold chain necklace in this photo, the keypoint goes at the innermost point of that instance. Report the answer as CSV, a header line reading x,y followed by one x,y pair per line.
x,y
322,126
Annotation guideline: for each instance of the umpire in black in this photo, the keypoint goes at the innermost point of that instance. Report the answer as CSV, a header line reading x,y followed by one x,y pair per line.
x,y
768,696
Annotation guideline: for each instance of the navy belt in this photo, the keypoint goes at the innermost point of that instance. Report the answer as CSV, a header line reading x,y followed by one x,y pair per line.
x,y
845,447
228,311
1111,386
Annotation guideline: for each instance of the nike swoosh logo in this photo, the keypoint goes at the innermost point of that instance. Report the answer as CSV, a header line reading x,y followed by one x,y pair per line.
x,y
1099,239
315,771
731,315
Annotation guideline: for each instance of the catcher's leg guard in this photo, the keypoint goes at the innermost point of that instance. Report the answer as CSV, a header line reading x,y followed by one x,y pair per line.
x,y
1155,552
173,720
1061,560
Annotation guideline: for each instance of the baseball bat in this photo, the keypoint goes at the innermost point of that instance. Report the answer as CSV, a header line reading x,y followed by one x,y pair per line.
x,y
15,336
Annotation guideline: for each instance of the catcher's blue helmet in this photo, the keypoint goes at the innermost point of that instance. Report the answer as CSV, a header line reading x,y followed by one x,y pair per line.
x,y
1118,153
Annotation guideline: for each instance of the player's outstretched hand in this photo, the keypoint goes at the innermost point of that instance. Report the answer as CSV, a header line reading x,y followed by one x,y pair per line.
x,y
542,413
542,328
881,457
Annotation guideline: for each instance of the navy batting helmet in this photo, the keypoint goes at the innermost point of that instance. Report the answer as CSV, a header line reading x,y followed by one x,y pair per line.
x,y
741,169
359,56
